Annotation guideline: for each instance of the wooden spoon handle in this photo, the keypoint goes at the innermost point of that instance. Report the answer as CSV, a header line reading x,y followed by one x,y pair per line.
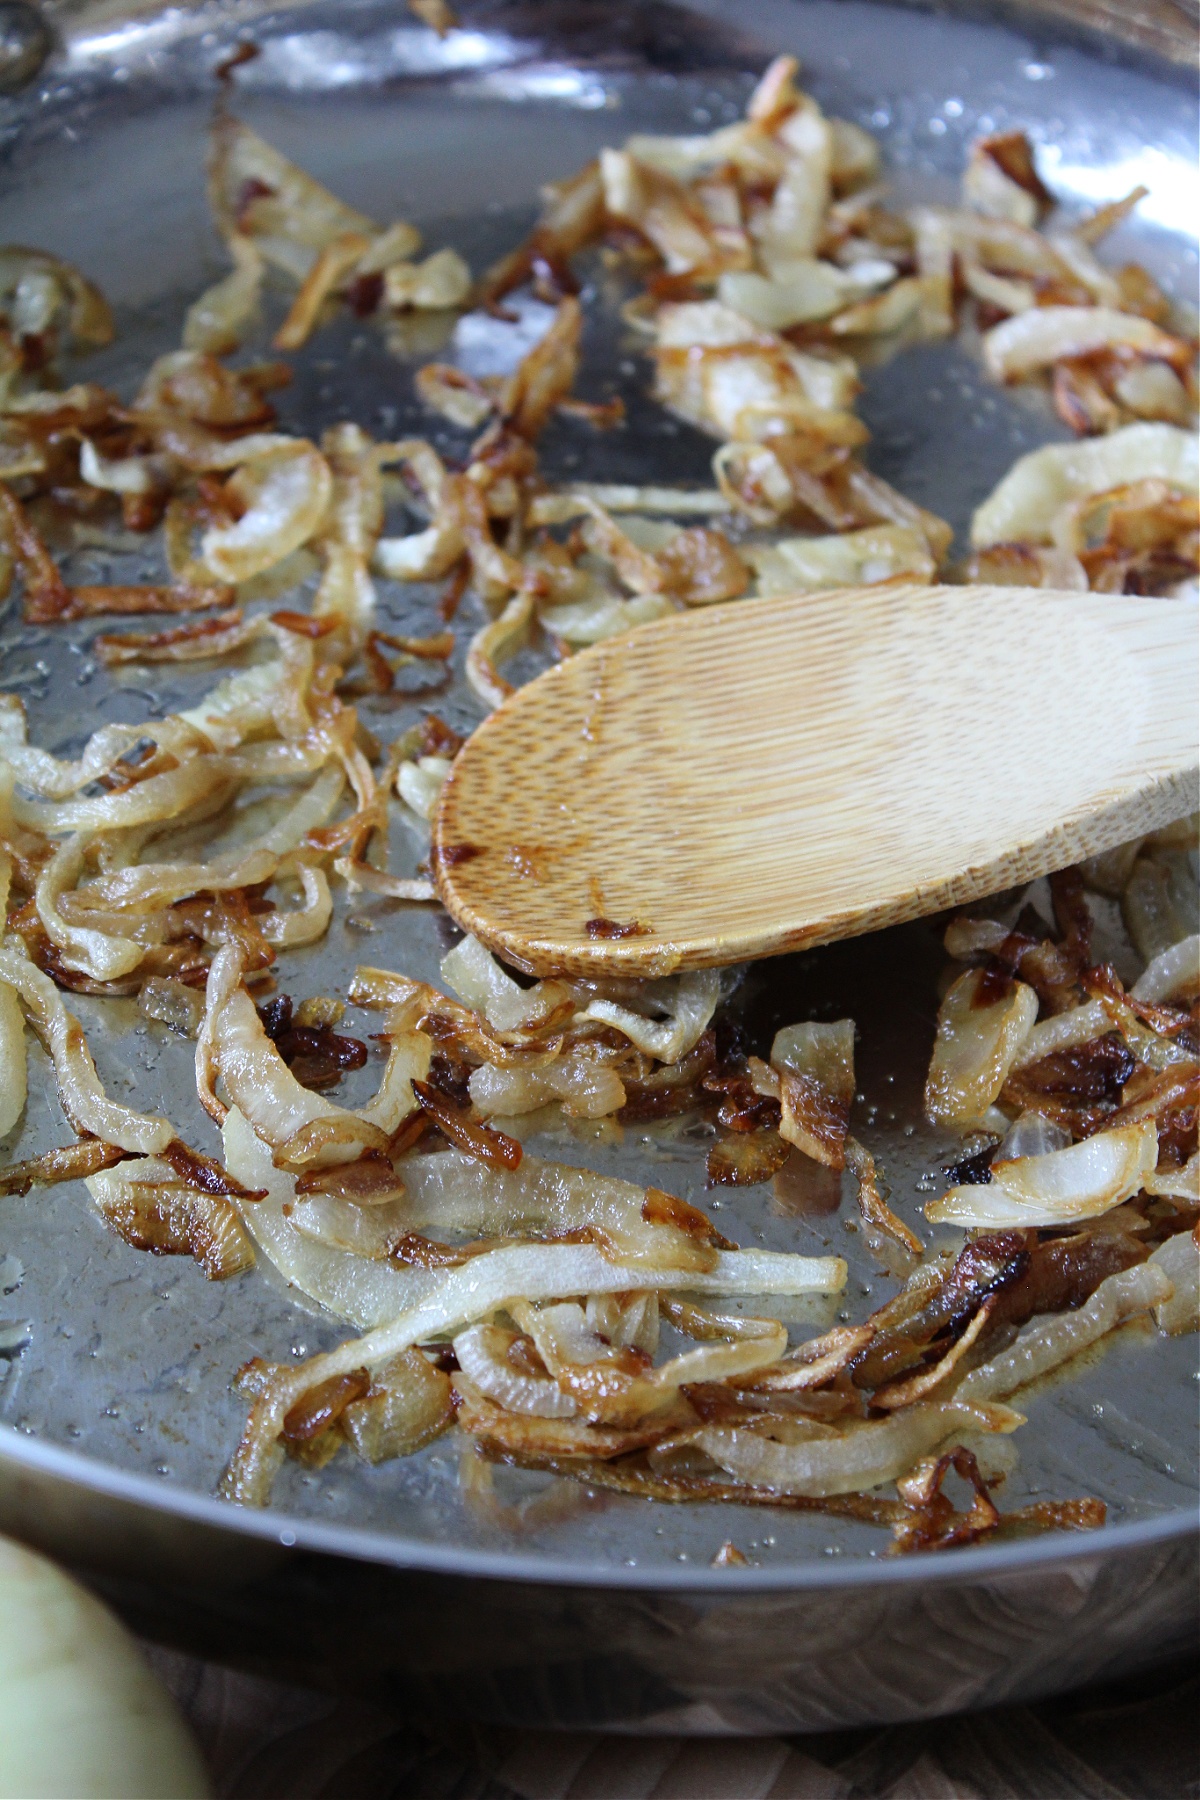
x,y
756,777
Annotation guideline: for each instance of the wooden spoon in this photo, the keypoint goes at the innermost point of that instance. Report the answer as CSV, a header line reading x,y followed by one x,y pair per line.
x,y
756,777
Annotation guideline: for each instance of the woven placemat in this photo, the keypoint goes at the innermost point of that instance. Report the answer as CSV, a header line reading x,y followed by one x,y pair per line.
x,y
1138,1740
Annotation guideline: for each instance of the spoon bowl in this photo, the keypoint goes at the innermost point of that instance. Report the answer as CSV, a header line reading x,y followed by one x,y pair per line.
x,y
754,778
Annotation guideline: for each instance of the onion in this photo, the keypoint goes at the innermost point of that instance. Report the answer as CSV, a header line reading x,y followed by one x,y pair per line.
x,y
218,321
1179,1260
478,1288
93,952
1153,390
481,1352
285,495
256,192
689,1000
857,1457
816,1071
1180,1184
543,1199
849,559
474,974
83,1099
301,1126
80,1713
1030,1135
348,1283
1059,1188
799,291
1063,1031
882,313
666,213
1045,334
976,1047
304,924
151,1209
503,637
877,1215
1174,973
12,1058
334,262
1046,1346
443,280
586,1089
1030,498
408,1404
680,503
611,1385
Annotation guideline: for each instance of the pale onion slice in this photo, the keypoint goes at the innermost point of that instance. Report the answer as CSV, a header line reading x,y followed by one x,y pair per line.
x,y
534,1272
333,264
689,1000
602,616
860,1456
304,924
1153,390
799,291
1043,335
1176,1183
80,1092
882,313
90,951
585,1089
218,321
269,697
288,215
666,213
815,1063
1173,975
1179,1260
120,474
13,1077
1004,291
439,283
1047,1345
934,247
286,495
639,1227
987,188
619,497
793,224
846,559
1030,498
975,1048
301,1127
1062,1187
481,1352
499,639
1030,1135
52,777
1063,1031
632,1320
344,1280
420,783
598,1374
473,973
201,781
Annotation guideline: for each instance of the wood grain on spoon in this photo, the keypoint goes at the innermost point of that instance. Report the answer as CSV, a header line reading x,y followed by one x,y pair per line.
x,y
755,777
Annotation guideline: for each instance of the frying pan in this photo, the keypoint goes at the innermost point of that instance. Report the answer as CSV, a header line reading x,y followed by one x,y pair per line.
x,y
546,1605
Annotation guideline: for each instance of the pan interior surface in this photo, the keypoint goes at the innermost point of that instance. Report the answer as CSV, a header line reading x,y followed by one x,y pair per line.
x,y
129,1359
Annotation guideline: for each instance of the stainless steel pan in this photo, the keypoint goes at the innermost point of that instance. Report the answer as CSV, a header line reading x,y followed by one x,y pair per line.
x,y
117,1414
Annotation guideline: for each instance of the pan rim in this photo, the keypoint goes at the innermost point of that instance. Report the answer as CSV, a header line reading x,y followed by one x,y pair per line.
x,y
407,1556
